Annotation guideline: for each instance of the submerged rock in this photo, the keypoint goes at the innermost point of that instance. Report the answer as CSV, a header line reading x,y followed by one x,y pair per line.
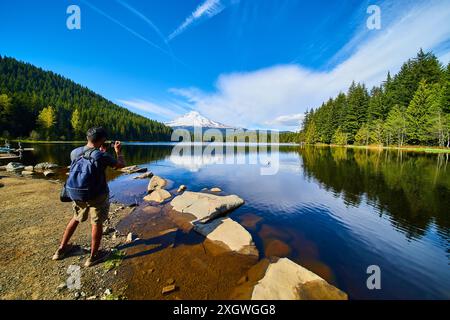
x,y
155,183
27,173
276,248
205,207
229,233
29,168
158,195
250,220
286,280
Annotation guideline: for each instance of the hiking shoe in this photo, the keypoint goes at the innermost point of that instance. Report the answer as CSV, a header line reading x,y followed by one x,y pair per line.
x,y
100,257
62,253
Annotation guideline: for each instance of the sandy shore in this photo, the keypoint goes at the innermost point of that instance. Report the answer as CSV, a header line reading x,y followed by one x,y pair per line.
x,y
32,220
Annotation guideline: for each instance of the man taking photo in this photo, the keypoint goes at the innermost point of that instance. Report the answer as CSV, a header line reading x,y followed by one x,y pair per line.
x,y
88,189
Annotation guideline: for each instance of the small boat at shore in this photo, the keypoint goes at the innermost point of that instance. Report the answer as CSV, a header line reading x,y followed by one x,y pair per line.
x,y
8,154
6,149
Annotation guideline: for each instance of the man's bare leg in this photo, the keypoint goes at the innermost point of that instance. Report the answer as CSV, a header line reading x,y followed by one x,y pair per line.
x,y
97,233
96,256
68,233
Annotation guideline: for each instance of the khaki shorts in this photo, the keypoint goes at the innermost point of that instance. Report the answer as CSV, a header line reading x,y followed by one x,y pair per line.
x,y
97,209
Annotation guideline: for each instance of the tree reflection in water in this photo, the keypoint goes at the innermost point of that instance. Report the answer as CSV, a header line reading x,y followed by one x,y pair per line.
x,y
413,189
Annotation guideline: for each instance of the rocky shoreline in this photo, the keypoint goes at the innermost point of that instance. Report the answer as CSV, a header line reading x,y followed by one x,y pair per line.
x,y
282,278
47,169
197,226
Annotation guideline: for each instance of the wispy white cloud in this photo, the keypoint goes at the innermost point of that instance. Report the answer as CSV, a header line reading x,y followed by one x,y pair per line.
x,y
206,10
153,26
254,99
192,95
130,30
143,17
166,111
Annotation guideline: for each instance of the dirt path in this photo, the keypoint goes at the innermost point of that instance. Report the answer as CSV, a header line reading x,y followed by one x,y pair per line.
x,y
32,220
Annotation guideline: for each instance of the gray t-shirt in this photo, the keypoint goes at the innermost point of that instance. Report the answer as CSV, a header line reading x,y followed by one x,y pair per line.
x,y
106,160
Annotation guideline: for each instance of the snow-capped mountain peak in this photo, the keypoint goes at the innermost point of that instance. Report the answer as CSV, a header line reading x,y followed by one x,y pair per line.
x,y
195,119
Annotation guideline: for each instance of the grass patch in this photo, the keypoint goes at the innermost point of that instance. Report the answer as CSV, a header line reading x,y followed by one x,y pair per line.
x,y
112,297
114,260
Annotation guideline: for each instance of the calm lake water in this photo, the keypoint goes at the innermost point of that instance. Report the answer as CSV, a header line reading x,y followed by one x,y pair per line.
x,y
335,211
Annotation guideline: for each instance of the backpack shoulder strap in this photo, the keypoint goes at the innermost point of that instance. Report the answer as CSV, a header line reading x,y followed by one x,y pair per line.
x,y
92,153
80,155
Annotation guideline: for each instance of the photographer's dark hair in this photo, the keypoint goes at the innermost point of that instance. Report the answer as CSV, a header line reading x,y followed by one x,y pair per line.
x,y
96,134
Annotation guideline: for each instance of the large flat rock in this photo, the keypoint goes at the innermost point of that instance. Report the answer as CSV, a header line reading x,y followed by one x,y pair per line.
x,y
286,280
229,233
159,195
205,207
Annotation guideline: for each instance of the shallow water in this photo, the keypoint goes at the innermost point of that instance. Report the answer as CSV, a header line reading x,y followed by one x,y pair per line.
x,y
335,211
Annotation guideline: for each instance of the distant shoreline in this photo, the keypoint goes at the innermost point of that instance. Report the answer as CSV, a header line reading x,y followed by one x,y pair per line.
x,y
156,142
418,149
43,141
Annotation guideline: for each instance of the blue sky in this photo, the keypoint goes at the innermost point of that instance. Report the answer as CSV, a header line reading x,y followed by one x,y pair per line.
x,y
249,63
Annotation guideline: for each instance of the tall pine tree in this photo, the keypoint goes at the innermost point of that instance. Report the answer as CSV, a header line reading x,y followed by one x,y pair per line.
x,y
418,114
356,113
396,126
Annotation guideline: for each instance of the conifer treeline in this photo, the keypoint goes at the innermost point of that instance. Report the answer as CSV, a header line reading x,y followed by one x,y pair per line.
x,y
42,105
412,107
